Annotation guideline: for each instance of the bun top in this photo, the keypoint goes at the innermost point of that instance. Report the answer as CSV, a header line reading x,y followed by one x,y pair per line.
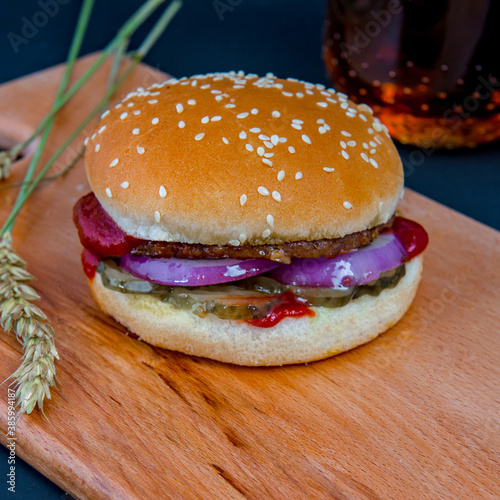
x,y
229,158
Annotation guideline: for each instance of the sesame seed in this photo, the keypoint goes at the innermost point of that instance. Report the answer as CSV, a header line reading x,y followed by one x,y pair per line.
x,y
102,129
157,216
86,141
124,185
93,136
343,144
249,147
225,141
191,102
214,91
181,124
370,131
238,86
347,134
254,111
268,155
365,145
299,94
243,238
153,101
108,193
179,107
263,137
205,119
199,137
243,199
328,169
363,117
270,220
154,121
140,150
230,105
136,131
119,105
106,113
242,115
266,233
306,139
216,118
322,130
261,151
352,110
137,112
281,175
322,104
296,120
276,114
234,243
163,191
351,143
263,191
345,154
287,94
206,86
373,162
344,105
255,130
123,115
97,148
365,157
114,163
243,135
326,126
350,115
347,205
275,139
297,126
298,176
378,140
276,195
291,149
373,151
267,162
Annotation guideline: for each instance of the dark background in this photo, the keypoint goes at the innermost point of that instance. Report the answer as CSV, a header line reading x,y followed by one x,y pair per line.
x,y
281,36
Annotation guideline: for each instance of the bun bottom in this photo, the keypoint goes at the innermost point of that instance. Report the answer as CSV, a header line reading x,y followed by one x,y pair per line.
x,y
293,340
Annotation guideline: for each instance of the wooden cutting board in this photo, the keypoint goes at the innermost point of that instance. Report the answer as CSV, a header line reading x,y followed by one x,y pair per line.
x,y
414,414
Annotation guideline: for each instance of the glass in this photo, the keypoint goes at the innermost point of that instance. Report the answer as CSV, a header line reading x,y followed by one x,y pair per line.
x,y
430,69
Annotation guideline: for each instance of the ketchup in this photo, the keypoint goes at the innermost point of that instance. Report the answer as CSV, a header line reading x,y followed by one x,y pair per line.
x,y
412,235
98,232
289,305
89,262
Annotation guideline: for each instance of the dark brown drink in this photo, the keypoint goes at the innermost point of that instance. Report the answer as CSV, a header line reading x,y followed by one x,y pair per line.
x,y
429,69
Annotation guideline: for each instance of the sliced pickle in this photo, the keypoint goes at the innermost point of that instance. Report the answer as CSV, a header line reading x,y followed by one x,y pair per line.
x,y
248,299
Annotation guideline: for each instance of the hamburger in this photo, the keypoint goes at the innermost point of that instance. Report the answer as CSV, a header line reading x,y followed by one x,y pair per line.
x,y
247,219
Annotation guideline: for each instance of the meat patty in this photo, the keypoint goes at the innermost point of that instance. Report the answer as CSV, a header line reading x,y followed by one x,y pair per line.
x,y
100,234
284,252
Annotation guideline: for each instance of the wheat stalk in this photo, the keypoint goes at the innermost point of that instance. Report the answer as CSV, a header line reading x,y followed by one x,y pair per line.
x,y
37,372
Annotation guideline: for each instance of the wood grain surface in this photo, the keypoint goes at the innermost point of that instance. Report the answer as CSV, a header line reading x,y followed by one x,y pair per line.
x,y
413,414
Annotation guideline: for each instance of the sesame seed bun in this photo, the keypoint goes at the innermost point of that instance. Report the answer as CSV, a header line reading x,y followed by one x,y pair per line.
x,y
293,340
228,158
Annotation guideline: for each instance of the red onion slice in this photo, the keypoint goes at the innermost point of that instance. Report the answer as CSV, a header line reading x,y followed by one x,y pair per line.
x,y
357,267
187,272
